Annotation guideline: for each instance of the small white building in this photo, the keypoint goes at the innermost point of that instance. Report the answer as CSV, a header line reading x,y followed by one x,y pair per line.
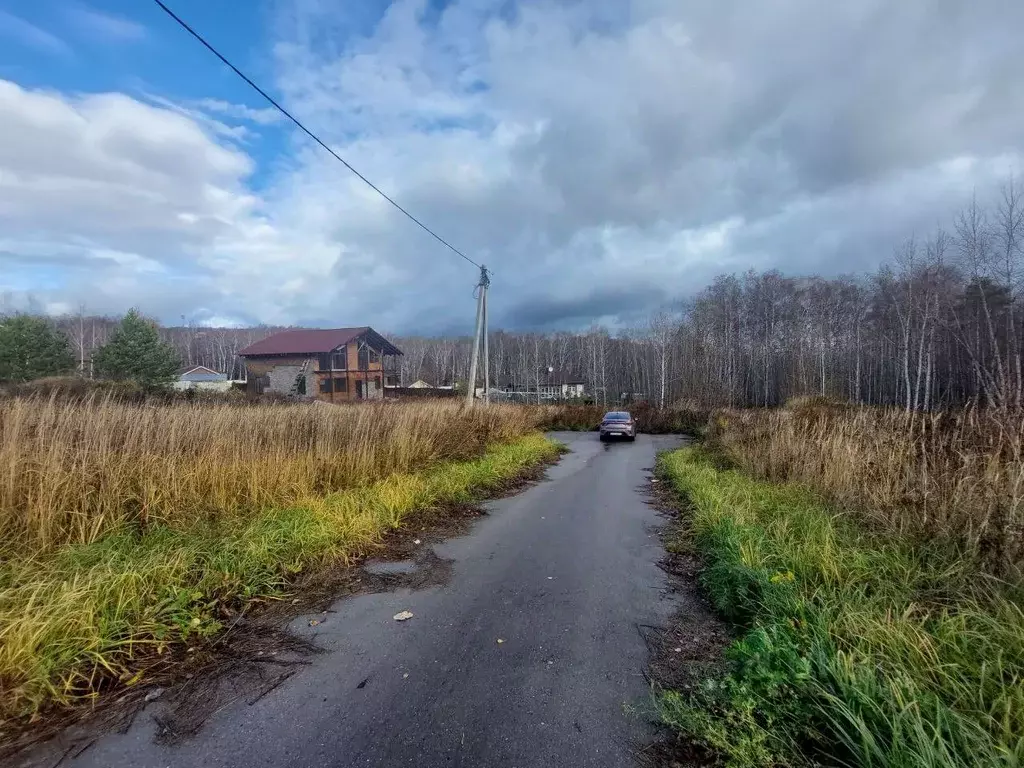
x,y
201,377
546,385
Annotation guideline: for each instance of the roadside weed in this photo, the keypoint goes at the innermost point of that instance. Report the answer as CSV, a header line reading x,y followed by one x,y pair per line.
x,y
860,648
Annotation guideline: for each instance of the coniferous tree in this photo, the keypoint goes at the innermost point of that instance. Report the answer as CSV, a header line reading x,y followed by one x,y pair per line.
x,y
136,353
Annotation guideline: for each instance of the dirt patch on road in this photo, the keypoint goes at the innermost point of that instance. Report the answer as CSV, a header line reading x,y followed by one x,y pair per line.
x,y
691,648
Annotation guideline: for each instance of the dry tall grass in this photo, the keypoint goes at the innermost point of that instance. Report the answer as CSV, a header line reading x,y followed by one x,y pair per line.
x,y
129,526
955,477
72,471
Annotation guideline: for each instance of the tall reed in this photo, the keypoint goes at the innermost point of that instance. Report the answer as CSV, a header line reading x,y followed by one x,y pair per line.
x,y
128,525
952,478
73,470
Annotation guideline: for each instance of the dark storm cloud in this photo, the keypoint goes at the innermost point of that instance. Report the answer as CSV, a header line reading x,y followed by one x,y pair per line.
x,y
607,303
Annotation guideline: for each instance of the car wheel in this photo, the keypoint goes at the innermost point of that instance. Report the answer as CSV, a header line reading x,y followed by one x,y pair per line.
x,y
632,438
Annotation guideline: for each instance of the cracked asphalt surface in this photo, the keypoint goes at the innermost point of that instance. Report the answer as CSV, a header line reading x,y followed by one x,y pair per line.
x,y
529,656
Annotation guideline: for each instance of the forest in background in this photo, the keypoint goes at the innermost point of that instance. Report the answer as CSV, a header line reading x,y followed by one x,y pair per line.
x,y
935,326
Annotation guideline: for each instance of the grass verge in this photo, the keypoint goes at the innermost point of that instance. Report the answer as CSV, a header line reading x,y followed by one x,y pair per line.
x,y
857,648
76,620
952,477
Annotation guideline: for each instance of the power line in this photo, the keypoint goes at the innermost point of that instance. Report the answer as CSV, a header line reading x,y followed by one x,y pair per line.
x,y
311,135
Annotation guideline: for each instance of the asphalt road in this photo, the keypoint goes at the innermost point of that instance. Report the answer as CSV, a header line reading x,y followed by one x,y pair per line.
x,y
562,574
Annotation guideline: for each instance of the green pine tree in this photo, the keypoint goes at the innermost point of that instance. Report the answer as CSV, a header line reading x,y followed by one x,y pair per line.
x,y
31,347
135,353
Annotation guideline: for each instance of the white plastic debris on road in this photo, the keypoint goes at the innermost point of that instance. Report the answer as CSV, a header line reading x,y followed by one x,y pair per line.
x,y
403,616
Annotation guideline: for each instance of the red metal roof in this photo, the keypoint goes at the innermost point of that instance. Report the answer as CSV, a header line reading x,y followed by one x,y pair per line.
x,y
303,342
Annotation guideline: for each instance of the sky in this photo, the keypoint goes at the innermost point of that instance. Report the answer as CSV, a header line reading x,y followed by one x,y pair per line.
x,y
604,158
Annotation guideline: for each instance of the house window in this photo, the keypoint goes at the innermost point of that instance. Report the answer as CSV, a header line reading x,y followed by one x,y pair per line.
x,y
367,357
339,361
325,386
341,384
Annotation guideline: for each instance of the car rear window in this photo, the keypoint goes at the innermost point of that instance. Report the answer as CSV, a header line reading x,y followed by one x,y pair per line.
x,y
616,416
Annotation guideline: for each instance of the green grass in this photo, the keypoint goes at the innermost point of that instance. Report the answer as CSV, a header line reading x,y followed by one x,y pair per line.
x,y
855,649
91,613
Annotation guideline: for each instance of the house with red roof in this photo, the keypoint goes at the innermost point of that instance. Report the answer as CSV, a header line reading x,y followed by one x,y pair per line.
x,y
329,364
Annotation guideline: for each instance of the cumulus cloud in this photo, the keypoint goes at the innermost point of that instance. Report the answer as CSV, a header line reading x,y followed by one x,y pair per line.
x,y
106,199
601,157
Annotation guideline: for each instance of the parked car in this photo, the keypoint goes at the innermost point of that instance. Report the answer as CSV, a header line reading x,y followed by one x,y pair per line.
x,y
619,424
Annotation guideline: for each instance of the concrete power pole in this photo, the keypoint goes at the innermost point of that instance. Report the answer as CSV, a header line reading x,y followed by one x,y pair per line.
x,y
481,304
487,355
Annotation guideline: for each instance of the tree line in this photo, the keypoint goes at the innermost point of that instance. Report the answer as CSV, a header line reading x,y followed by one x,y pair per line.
x,y
937,325
34,347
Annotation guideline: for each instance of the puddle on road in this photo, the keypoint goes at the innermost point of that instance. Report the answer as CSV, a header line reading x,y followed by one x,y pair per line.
x,y
384,568
426,569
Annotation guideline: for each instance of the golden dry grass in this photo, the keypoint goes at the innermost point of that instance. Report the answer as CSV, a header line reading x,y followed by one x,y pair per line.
x,y
952,478
71,471
128,527
86,614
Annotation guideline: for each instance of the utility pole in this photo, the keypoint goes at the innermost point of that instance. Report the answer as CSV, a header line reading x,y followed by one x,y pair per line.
x,y
487,354
481,303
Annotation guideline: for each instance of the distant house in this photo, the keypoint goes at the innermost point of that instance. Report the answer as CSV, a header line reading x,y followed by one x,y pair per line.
x,y
333,365
548,383
420,384
201,377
